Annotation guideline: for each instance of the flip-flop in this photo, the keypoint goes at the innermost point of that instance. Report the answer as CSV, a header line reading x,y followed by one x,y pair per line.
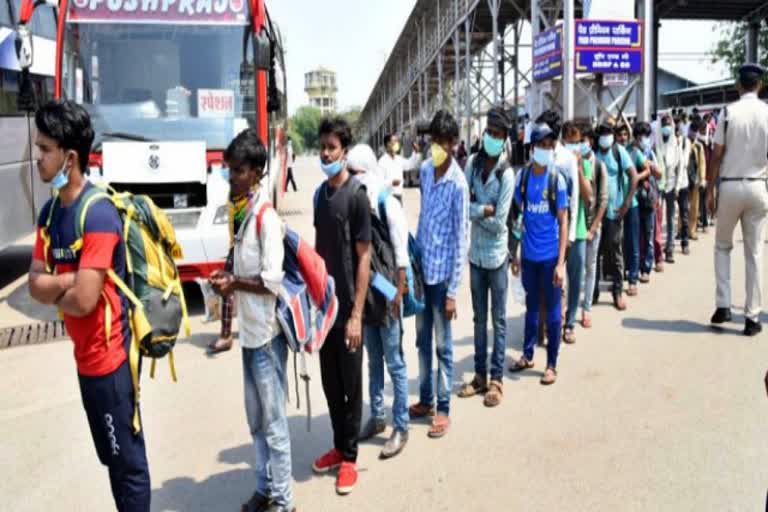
x,y
438,430
213,349
521,364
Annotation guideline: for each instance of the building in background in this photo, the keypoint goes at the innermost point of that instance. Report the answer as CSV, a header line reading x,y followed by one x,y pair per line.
x,y
320,86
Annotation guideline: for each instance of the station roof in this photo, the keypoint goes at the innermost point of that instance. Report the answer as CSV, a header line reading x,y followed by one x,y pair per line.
x,y
724,10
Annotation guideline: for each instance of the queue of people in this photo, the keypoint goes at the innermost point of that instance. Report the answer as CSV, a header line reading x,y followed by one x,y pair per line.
x,y
591,203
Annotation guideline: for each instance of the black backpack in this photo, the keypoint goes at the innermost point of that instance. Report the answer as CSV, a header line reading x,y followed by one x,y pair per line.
x,y
378,309
648,191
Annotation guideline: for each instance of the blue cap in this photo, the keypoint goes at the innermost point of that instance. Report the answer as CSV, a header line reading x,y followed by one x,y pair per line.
x,y
751,72
540,132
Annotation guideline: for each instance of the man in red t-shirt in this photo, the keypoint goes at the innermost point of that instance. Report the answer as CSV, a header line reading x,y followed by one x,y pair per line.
x,y
75,281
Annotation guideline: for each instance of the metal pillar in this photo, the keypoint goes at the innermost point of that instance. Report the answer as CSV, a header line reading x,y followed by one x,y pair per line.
x,y
468,78
456,57
655,63
569,71
535,29
494,5
645,92
753,31
440,80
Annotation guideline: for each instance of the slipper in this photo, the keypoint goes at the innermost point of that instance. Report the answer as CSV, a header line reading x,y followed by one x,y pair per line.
x,y
478,386
440,426
549,377
569,336
586,321
494,395
521,365
215,348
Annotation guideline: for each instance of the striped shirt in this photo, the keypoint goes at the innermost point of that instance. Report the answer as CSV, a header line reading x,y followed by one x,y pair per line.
x,y
443,225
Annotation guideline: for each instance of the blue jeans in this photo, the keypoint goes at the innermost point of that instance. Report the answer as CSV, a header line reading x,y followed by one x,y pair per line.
x,y
575,267
648,232
433,317
632,244
496,281
590,269
538,278
265,394
383,344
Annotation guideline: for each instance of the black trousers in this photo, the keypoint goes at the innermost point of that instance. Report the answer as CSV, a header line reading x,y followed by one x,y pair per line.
x,y
612,249
108,403
683,207
290,180
703,217
342,375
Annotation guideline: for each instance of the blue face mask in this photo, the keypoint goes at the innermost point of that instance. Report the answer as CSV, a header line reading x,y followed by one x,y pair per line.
x,y
225,173
61,179
574,147
666,131
333,168
542,157
586,149
645,143
605,141
492,146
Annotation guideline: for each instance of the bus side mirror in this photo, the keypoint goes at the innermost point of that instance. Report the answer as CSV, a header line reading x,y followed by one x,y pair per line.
x,y
23,44
262,51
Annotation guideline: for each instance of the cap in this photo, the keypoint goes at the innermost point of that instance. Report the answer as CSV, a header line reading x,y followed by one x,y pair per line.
x,y
498,119
540,132
751,72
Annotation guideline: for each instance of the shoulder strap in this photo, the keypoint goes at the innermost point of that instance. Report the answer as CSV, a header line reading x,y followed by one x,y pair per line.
x,y
552,179
260,216
45,234
81,214
620,174
524,186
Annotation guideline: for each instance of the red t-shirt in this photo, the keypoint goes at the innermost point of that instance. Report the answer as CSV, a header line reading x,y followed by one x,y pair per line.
x,y
103,248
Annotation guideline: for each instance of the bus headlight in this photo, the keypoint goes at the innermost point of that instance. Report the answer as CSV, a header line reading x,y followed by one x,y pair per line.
x,y
222,215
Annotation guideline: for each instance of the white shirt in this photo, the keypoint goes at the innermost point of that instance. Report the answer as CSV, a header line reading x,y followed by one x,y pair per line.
x,y
685,155
527,133
392,170
670,154
746,141
259,256
396,222
289,153
567,160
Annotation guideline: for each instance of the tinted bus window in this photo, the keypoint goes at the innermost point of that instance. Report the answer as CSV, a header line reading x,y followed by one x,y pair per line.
x,y
5,13
43,21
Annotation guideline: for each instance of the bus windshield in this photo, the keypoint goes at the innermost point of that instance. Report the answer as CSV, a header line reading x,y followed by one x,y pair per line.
x,y
162,81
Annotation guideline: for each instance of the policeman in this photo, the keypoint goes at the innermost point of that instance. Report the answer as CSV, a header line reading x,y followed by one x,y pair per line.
x,y
740,168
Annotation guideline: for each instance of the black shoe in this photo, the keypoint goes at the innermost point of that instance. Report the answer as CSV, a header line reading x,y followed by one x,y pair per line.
x,y
279,508
721,316
752,328
669,258
373,428
257,503
394,444
686,251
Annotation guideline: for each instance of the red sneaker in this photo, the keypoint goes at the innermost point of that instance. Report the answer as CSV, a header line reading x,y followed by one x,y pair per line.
x,y
327,462
347,478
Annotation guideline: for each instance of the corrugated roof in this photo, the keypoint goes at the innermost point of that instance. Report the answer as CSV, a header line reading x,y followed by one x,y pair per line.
x,y
702,87
731,10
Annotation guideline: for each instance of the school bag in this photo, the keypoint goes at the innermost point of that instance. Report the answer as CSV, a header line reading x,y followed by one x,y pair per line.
x,y
152,285
306,306
648,191
414,301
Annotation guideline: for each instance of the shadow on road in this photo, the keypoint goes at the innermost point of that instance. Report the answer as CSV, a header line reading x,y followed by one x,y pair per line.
x,y
229,489
681,326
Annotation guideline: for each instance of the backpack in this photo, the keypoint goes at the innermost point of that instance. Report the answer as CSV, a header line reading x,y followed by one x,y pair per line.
x,y
648,190
152,285
306,305
414,301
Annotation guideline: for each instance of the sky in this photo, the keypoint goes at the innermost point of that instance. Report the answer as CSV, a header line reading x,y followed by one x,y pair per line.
x,y
354,38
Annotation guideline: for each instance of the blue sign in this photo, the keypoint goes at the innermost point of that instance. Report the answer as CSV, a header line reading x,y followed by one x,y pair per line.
x,y
548,54
609,46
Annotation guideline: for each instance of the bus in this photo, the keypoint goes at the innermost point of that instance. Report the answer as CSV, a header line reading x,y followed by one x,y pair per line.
x,y
22,194
168,84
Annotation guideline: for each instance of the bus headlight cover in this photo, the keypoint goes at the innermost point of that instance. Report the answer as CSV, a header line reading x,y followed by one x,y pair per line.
x,y
222,215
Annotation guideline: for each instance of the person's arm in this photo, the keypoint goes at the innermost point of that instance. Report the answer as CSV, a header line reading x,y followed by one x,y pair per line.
x,y
574,200
603,194
655,166
643,169
497,222
477,211
585,187
460,221
717,158
562,220
702,166
46,287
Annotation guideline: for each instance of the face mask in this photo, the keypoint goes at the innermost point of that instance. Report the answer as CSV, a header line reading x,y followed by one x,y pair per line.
x,y
61,179
574,147
396,148
666,131
493,146
605,141
542,156
645,143
333,168
224,173
439,155
586,149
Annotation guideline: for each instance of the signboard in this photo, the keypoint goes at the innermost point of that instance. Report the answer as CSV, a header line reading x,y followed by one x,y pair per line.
x,y
198,12
215,103
548,54
615,79
609,46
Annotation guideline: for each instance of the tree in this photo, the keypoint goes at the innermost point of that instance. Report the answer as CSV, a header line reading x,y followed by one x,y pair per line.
x,y
731,49
304,126
298,140
352,115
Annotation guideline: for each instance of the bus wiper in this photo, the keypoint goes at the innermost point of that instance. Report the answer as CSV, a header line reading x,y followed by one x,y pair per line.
x,y
124,136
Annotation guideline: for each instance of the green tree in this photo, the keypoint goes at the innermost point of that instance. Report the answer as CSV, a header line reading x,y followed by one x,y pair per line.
x,y
298,140
731,49
352,115
304,126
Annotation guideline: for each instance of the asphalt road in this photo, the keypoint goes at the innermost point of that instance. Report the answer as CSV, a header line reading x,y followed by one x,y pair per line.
x,y
652,411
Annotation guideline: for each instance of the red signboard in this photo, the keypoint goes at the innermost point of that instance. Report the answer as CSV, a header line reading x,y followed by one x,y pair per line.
x,y
225,12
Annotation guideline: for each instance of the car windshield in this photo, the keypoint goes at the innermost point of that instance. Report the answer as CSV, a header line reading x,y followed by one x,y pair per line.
x,y
160,81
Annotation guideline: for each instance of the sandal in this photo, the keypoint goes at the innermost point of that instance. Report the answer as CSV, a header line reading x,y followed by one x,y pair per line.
x,y
220,345
521,365
440,426
660,267
619,302
549,377
586,320
420,410
479,385
495,394
569,336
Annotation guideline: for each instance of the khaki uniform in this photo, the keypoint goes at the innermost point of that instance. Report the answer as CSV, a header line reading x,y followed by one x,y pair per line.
x,y
742,197
693,211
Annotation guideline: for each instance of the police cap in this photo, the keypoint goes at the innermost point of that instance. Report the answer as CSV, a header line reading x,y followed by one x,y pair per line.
x,y
751,72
